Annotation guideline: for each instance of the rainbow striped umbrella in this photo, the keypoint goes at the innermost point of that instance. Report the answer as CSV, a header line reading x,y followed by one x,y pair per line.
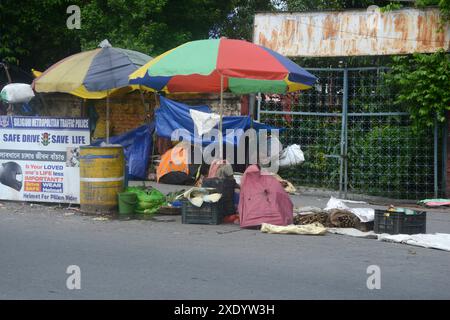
x,y
217,65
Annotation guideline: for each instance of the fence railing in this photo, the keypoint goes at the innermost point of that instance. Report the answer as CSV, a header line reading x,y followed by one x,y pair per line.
x,y
354,138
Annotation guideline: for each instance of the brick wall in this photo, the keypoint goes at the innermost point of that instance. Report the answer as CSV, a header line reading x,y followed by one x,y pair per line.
x,y
59,105
231,102
128,112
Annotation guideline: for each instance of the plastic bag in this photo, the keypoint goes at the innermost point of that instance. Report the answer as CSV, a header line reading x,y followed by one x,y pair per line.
x,y
291,156
364,214
17,93
149,200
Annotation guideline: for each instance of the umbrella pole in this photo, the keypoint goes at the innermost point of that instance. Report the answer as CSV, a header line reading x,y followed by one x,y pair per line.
x,y
220,120
107,117
146,108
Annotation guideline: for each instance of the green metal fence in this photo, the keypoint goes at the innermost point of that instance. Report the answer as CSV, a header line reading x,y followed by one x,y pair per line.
x,y
353,137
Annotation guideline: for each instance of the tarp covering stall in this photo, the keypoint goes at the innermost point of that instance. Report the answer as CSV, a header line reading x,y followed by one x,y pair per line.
x,y
172,115
137,145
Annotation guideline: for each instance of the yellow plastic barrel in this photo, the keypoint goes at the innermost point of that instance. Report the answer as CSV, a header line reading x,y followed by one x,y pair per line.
x,y
101,178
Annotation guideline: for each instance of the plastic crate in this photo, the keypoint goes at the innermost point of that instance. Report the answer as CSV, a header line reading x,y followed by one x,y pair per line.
x,y
392,222
208,213
226,188
170,211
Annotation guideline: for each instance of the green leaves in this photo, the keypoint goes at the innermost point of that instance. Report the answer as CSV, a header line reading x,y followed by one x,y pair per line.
x,y
422,83
34,33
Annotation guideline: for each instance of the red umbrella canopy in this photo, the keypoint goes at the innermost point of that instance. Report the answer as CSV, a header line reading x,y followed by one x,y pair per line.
x,y
198,66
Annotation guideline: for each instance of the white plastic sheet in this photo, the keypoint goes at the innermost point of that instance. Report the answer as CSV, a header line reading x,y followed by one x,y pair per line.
x,y
204,122
439,241
364,214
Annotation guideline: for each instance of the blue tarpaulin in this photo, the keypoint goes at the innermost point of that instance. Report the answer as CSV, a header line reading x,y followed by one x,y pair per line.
x,y
137,145
172,115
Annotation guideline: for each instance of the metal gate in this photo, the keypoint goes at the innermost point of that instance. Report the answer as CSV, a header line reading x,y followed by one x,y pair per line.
x,y
354,138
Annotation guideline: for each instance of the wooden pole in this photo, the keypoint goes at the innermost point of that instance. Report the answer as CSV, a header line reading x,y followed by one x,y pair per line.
x,y
10,106
107,117
220,120
146,108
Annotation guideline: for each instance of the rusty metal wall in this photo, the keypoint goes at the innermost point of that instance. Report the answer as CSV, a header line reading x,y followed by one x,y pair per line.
x,y
351,33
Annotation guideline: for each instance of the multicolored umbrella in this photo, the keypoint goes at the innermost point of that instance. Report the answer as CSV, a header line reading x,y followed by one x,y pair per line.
x,y
219,65
244,67
93,74
95,71
85,94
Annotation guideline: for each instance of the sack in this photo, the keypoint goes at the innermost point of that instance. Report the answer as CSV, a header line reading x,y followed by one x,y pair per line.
x,y
149,201
291,156
17,93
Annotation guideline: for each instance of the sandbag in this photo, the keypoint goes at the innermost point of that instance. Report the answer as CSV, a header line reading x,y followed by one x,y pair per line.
x,y
17,93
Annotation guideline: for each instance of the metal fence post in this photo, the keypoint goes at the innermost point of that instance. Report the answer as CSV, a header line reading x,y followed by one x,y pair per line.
x,y
436,133
444,157
258,108
343,169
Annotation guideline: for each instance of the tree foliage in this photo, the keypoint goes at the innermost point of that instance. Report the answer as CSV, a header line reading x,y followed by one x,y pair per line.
x,y
33,34
444,7
239,23
150,26
308,5
422,82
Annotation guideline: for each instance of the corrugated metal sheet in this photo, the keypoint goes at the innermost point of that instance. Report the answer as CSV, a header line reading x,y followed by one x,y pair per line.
x,y
351,33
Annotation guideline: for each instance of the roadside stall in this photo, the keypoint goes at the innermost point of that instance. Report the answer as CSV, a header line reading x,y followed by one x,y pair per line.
x,y
218,65
48,158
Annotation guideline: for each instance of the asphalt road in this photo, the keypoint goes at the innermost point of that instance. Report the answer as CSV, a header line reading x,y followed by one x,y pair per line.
x,y
168,260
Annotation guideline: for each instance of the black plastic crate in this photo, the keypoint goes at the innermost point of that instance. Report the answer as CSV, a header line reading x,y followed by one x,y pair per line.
x,y
208,213
226,188
392,222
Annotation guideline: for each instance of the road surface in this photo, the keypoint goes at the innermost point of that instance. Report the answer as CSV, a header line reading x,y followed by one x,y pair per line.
x,y
165,259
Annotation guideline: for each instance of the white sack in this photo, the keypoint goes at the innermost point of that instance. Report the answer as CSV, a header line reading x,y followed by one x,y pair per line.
x,y
17,93
291,155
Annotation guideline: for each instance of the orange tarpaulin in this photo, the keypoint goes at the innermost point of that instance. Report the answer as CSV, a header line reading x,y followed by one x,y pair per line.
x,y
175,159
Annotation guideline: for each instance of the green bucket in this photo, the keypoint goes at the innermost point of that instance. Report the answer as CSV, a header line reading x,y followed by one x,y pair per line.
x,y
127,202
